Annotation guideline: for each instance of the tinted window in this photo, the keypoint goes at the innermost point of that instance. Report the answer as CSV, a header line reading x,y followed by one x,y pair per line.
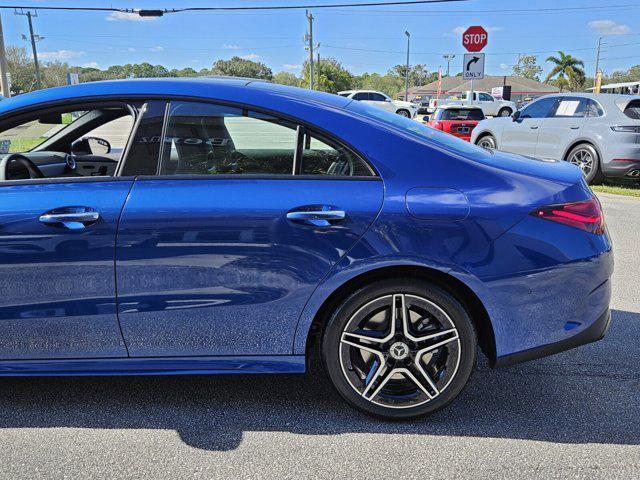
x,y
632,110
571,107
323,156
462,114
539,108
361,96
207,139
376,97
594,109
485,97
144,150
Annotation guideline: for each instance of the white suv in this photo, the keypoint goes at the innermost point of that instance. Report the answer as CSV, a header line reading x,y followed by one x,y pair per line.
x,y
379,99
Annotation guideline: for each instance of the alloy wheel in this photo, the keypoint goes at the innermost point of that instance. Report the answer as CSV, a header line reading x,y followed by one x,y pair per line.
x,y
399,351
487,142
582,158
403,113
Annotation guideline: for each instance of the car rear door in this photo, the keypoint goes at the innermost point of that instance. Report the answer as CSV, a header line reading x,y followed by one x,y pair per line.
x,y
521,135
562,127
218,254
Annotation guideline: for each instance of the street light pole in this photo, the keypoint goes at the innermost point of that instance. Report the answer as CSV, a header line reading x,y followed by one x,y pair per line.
x,y
406,76
448,57
310,39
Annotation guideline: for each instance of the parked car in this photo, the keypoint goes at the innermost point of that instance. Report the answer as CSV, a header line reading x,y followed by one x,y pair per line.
x,y
379,99
456,120
422,105
491,107
600,133
249,227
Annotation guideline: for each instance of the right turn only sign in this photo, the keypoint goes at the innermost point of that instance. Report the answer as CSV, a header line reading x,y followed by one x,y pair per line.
x,y
473,68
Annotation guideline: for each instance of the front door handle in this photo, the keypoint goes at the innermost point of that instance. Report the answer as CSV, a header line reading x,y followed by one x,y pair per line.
x,y
73,218
574,128
318,217
533,127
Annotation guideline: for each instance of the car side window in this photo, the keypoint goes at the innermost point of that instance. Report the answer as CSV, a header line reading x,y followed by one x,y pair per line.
x,y
323,156
571,107
539,108
376,97
211,139
361,96
144,148
485,97
594,109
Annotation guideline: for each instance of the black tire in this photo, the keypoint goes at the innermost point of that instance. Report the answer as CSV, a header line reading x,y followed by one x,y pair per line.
x,y
404,113
395,393
505,112
593,176
487,141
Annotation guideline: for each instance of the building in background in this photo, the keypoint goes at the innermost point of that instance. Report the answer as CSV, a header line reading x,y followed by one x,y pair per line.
x,y
523,89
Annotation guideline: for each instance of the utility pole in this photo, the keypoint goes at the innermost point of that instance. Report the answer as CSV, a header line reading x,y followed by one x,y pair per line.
x,y
596,84
33,43
309,39
4,69
448,57
406,73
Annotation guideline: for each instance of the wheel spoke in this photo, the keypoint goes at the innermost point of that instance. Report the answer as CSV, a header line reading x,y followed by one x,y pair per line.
x,y
449,336
360,341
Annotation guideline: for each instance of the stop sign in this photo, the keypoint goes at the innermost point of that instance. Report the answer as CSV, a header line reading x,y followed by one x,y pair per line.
x,y
474,39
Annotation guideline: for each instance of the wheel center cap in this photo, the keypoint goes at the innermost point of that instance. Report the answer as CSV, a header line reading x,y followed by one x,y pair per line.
x,y
399,351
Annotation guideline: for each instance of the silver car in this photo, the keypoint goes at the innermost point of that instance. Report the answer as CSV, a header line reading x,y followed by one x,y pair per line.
x,y
600,133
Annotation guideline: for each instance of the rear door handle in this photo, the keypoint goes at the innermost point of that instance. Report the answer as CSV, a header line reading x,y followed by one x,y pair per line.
x,y
533,127
73,218
319,217
574,128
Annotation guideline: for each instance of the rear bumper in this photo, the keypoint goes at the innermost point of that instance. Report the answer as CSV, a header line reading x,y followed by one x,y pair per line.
x,y
622,168
592,333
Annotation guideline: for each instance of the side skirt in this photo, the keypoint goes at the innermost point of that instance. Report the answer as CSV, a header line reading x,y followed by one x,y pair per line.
x,y
155,366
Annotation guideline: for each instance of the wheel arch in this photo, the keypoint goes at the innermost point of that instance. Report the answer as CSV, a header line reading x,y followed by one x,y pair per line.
x,y
486,133
462,292
581,141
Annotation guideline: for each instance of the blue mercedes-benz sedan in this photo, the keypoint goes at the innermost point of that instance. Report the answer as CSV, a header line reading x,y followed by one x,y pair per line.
x,y
198,226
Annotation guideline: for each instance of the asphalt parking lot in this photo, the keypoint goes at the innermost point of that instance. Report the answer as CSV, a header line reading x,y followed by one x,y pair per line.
x,y
572,415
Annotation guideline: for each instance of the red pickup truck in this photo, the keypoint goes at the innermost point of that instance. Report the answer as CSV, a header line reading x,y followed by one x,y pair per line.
x,y
456,119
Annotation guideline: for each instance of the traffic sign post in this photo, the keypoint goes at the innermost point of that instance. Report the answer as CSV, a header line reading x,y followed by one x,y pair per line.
x,y
474,39
473,66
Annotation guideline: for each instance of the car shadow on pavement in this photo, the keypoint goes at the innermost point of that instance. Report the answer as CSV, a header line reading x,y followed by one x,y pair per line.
x,y
588,395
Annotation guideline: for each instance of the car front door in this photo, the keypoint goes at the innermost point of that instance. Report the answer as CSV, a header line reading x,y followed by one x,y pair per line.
x,y
487,103
57,249
562,127
218,254
521,135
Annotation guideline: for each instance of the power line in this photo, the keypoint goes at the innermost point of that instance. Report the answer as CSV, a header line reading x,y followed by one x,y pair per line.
x,y
160,12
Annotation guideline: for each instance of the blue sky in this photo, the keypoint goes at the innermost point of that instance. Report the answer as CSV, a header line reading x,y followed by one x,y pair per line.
x,y
369,39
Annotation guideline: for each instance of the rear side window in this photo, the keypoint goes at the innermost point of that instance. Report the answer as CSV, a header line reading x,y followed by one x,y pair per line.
x,y
144,149
209,139
376,97
462,114
361,96
632,110
572,107
539,108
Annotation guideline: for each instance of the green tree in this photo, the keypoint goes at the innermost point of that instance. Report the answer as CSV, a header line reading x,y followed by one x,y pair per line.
x,y
241,67
567,70
21,69
528,67
333,76
618,76
287,78
389,84
418,74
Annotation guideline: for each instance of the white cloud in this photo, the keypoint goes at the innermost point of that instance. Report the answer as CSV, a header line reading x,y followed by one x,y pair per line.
x,y
131,49
126,17
250,56
228,46
460,30
60,54
504,66
609,27
292,66
157,48
91,65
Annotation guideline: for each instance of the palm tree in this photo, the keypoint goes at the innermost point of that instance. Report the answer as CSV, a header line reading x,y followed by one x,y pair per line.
x,y
567,70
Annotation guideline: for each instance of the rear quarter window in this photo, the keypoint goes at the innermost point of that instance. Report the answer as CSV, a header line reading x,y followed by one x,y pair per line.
x,y
632,110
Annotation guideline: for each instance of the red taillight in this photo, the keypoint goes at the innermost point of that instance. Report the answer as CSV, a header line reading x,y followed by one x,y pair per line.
x,y
586,215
